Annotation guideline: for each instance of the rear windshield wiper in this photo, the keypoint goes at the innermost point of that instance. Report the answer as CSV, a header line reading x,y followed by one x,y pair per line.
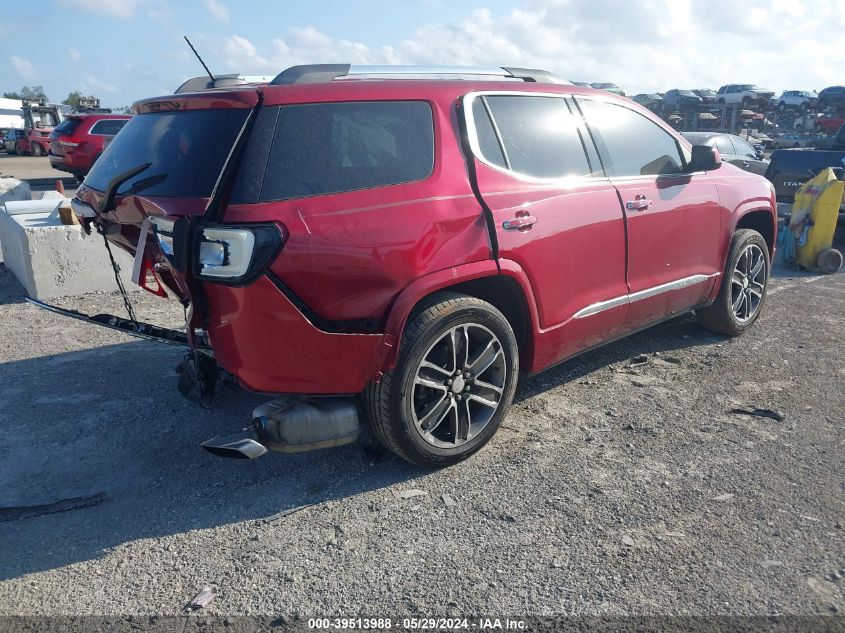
x,y
111,191
145,183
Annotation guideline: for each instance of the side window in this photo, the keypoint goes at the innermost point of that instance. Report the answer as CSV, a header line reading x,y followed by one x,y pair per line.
x,y
335,147
723,144
632,144
488,143
743,148
108,127
541,137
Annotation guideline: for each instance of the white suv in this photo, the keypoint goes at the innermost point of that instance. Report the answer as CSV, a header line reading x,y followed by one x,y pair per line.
x,y
800,99
743,94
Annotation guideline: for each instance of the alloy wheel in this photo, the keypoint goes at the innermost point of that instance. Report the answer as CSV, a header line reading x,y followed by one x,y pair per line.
x,y
458,385
748,283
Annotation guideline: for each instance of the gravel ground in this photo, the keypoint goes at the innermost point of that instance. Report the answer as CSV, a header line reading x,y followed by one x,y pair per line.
x,y
611,488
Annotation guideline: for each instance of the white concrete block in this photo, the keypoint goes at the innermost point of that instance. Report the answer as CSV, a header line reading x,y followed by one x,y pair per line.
x,y
14,189
20,207
55,260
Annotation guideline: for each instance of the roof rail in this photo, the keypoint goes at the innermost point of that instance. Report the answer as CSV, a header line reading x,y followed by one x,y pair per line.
x,y
322,73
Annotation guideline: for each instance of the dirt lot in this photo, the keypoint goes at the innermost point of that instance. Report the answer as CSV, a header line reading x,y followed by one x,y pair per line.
x,y
611,489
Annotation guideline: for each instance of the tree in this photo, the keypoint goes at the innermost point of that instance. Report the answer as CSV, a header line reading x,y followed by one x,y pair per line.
x,y
35,93
11,95
73,99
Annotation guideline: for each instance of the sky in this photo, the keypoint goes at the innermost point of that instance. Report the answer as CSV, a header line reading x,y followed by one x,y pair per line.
x,y
124,50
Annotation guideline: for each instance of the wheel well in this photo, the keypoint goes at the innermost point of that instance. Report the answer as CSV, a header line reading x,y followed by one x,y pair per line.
x,y
501,292
760,221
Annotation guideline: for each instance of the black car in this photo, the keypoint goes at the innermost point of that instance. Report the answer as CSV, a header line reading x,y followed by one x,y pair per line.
x,y
683,100
832,96
733,149
708,97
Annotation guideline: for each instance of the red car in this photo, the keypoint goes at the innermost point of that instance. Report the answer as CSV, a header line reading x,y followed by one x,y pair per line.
x,y
413,245
77,142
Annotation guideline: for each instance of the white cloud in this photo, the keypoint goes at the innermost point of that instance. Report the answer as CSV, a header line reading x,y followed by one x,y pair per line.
x,y
647,46
24,68
73,54
113,8
218,10
95,86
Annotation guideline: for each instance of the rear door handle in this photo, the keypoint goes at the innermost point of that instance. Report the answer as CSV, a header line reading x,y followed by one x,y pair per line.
x,y
639,203
522,222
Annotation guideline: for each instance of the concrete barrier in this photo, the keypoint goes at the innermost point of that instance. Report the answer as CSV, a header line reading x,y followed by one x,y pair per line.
x,y
13,189
51,259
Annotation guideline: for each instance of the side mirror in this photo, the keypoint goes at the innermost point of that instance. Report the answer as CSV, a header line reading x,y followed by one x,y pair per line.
x,y
760,154
705,158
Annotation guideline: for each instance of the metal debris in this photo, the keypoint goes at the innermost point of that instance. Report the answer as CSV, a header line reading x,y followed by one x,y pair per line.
x,y
759,413
201,599
642,359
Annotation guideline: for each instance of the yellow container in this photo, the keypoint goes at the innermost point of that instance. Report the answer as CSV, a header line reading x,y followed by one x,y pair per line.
x,y
817,206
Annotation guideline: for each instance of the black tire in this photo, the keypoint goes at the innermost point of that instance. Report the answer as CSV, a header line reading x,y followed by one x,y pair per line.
x,y
392,404
18,149
829,261
36,150
720,317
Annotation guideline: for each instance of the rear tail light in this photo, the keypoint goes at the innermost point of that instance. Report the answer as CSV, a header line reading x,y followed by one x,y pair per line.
x,y
225,254
235,254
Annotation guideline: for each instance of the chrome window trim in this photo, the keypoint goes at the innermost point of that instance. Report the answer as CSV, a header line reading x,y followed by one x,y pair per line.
x,y
472,134
609,304
93,133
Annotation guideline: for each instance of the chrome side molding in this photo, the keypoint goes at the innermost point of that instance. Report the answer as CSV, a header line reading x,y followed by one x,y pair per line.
x,y
609,304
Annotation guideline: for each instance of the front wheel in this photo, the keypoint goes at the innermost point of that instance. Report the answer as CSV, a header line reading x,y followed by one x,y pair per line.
x,y
36,150
743,290
452,385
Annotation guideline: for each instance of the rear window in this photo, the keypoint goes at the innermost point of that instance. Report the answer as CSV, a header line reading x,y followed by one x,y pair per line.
x,y
108,127
68,126
186,151
326,148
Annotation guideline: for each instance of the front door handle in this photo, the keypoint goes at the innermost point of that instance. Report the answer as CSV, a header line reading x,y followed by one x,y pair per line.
x,y
522,222
639,203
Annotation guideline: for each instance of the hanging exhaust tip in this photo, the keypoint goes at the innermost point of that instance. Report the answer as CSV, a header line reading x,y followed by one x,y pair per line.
x,y
243,445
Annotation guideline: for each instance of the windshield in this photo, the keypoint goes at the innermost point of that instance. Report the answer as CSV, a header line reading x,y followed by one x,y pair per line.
x,y
687,93
186,152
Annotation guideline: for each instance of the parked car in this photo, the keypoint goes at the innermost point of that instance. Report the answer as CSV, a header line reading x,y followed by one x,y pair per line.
x,y
652,101
681,100
708,97
77,142
800,99
830,123
832,96
582,84
745,95
387,242
12,141
733,150
609,88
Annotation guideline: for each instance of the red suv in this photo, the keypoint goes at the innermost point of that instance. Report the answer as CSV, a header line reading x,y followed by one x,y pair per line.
x,y
412,245
77,142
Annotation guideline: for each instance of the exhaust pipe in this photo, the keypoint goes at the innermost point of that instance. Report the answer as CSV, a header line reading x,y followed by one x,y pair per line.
x,y
243,445
291,425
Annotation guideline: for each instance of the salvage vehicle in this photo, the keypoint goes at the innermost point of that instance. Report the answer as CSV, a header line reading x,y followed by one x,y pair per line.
x,y
77,142
832,97
800,99
414,246
708,97
609,87
791,168
39,120
732,149
12,141
745,95
651,101
681,101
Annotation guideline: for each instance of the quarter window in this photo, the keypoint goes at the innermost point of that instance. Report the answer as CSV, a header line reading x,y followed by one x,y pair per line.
x,y
540,136
108,127
632,144
723,144
335,147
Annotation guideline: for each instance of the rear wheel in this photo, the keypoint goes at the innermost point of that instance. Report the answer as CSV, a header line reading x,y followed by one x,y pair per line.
x,y
743,290
452,385
36,150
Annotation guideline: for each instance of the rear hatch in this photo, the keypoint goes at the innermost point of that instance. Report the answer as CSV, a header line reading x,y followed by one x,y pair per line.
x,y
179,145
791,168
62,135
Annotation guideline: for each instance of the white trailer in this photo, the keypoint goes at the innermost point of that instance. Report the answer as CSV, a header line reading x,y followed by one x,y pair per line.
x,y
11,114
